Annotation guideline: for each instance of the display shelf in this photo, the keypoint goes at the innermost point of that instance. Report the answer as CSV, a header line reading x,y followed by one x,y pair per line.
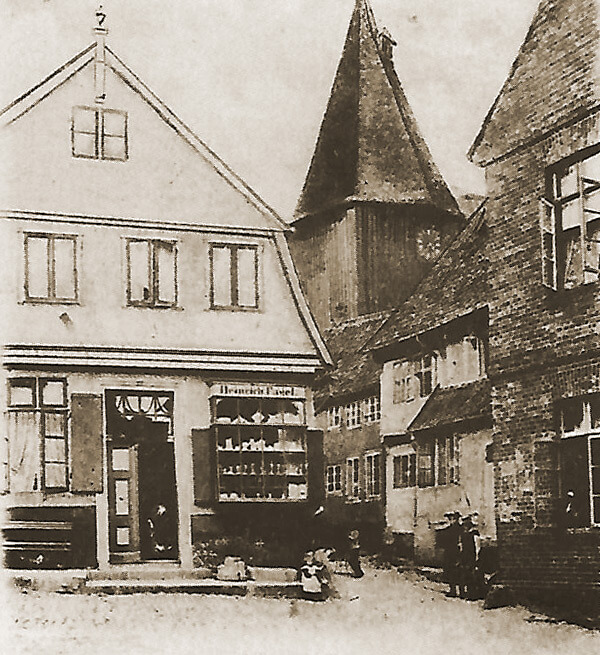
x,y
261,462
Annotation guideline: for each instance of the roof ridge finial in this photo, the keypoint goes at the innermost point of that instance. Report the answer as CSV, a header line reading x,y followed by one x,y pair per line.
x,y
100,18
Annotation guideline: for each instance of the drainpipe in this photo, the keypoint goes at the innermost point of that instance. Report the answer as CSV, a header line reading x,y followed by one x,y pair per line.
x,y
415,496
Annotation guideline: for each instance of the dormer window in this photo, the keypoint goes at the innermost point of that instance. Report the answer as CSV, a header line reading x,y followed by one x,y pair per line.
x,y
415,378
98,133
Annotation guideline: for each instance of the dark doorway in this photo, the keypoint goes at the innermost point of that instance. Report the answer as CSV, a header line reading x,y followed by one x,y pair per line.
x,y
158,498
142,487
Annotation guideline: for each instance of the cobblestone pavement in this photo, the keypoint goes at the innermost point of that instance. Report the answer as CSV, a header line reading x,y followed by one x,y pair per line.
x,y
384,612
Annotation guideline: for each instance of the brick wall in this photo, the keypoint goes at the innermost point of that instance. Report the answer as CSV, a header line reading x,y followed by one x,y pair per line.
x,y
544,345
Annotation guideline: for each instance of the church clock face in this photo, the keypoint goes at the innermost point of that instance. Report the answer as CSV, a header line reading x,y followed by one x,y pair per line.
x,y
428,243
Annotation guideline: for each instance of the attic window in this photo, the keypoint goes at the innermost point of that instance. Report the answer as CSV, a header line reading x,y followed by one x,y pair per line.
x,y
98,133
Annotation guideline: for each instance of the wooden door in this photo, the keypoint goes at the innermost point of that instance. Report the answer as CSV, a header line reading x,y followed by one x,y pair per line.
x,y
123,503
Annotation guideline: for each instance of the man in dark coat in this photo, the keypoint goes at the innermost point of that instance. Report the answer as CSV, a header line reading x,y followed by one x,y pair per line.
x,y
450,541
471,583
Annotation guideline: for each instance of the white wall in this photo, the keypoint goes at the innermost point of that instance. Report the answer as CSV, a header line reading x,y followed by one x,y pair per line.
x,y
473,493
102,317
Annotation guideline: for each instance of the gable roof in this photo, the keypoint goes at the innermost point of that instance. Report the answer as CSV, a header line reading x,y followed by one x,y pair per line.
x,y
369,146
455,286
553,80
274,226
40,91
355,371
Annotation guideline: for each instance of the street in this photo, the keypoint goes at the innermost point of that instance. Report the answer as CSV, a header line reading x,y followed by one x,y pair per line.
x,y
384,612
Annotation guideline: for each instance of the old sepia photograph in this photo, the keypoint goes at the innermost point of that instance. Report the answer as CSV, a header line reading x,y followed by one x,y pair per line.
x,y
300,327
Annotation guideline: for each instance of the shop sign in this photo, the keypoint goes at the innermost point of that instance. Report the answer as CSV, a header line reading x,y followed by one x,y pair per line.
x,y
256,390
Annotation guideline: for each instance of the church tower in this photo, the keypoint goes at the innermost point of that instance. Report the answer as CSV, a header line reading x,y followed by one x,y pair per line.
x,y
375,211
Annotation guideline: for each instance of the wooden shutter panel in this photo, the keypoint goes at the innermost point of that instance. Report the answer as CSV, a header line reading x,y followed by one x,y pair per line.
x,y
86,443
548,244
203,456
316,466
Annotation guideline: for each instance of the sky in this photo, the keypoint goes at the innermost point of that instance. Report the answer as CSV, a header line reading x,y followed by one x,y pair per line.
x,y
252,77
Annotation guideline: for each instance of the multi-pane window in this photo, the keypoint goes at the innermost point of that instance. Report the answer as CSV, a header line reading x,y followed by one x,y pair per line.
x,y
38,406
334,417
353,415
580,460
51,267
426,373
261,448
98,133
438,461
373,474
353,477
334,479
570,222
234,276
371,409
415,378
404,382
151,273
405,471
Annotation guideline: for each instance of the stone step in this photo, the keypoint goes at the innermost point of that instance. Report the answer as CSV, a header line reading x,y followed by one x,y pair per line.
x,y
148,572
172,571
191,586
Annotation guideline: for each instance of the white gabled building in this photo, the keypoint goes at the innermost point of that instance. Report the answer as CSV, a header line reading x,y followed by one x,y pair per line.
x,y
157,351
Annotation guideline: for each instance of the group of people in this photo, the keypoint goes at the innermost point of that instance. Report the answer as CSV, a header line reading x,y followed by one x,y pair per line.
x,y
462,546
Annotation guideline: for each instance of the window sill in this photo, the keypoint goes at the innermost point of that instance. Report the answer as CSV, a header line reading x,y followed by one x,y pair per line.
x,y
232,308
49,301
77,155
177,308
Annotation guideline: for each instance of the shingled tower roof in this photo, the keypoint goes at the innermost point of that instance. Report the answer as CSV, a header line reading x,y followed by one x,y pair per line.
x,y
370,147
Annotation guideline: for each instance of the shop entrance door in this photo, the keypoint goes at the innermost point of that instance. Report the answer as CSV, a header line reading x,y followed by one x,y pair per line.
x,y
123,504
142,492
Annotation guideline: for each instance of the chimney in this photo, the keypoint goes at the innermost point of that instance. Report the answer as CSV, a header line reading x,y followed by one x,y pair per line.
x,y
386,43
100,33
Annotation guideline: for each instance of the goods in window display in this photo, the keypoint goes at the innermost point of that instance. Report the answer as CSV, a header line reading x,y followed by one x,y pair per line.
x,y
264,459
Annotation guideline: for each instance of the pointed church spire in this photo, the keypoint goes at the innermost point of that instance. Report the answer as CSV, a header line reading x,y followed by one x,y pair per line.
x,y
369,147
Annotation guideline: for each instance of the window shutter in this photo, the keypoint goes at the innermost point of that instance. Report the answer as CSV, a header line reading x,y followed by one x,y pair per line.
x,y
203,457
548,244
589,243
316,466
86,443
